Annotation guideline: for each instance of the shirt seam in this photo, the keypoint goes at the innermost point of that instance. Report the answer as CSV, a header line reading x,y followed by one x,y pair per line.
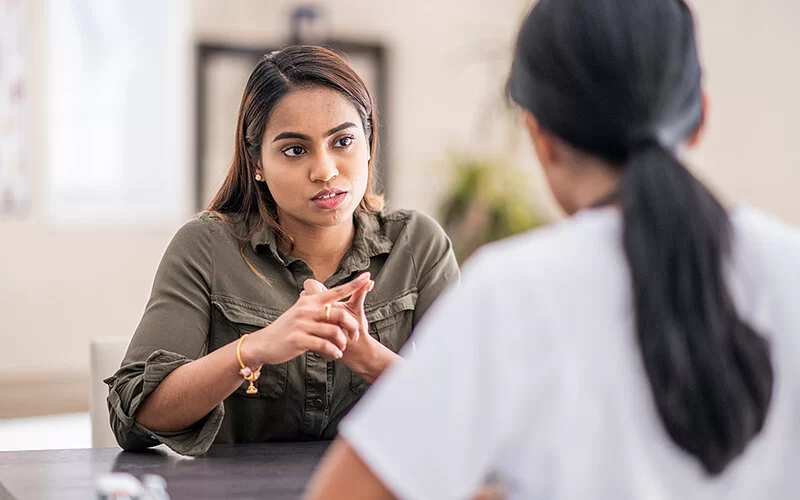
x,y
212,236
436,264
411,253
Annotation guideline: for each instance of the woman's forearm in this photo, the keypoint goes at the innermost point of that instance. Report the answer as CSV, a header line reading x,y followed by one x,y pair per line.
x,y
373,366
190,392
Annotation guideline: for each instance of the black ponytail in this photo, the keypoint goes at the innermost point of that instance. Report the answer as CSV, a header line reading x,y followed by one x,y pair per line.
x,y
620,79
710,372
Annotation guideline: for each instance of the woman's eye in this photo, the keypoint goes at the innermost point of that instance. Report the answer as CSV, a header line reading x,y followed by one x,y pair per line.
x,y
294,151
344,141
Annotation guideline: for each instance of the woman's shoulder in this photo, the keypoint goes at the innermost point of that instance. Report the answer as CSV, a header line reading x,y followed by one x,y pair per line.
x,y
767,228
415,232
566,251
199,227
420,238
412,223
203,230
765,240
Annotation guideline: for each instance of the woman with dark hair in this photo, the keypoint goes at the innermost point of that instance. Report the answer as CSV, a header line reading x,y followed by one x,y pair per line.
x,y
259,326
644,348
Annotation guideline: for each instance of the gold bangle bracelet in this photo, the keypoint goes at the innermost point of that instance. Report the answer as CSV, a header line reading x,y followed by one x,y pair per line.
x,y
245,371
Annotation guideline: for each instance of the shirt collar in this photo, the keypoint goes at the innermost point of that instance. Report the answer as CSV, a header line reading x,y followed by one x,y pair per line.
x,y
369,241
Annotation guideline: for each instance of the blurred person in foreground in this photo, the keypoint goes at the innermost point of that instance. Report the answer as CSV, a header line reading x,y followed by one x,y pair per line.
x,y
259,326
645,348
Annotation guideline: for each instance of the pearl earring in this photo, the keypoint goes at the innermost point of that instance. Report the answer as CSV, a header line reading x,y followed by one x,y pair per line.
x,y
259,178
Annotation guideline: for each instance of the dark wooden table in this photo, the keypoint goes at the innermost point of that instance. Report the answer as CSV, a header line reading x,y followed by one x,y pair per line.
x,y
267,470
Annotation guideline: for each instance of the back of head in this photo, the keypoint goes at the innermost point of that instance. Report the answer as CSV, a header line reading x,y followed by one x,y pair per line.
x,y
620,80
609,75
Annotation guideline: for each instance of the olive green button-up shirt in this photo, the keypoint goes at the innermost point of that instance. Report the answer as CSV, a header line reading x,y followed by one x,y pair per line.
x,y
205,296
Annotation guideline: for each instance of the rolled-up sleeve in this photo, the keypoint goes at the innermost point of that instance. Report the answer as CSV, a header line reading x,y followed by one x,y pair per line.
x,y
172,332
131,385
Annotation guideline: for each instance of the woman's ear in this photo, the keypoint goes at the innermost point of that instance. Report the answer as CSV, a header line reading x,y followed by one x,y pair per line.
x,y
697,135
542,141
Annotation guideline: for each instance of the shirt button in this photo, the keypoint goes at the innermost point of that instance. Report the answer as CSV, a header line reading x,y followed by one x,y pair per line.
x,y
318,403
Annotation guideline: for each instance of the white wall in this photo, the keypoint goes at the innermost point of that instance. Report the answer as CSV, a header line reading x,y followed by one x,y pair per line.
x,y
60,286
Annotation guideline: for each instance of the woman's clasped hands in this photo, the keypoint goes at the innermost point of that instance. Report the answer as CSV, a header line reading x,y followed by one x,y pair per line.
x,y
329,322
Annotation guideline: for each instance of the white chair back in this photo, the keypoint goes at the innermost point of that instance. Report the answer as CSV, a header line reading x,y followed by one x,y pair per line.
x,y
106,354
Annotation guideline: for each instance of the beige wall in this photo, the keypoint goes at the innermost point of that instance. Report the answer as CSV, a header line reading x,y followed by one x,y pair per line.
x,y
749,52
60,286
446,58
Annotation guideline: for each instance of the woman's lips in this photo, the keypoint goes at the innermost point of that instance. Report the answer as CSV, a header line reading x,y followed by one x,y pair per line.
x,y
330,200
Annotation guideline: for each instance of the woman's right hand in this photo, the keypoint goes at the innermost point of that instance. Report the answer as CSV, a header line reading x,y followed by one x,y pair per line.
x,y
306,327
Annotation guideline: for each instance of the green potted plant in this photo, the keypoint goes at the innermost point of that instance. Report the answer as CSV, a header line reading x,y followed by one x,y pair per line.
x,y
488,201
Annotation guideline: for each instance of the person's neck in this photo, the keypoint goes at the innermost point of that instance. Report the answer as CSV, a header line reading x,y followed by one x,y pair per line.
x,y
322,248
595,185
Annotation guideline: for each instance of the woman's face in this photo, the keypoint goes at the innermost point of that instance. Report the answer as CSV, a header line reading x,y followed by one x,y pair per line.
x,y
314,158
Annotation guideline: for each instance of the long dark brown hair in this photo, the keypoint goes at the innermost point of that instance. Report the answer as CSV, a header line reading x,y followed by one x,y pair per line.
x,y
247,204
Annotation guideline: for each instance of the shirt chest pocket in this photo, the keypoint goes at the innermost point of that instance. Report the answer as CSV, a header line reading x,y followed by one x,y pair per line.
x,y
231,318
390,322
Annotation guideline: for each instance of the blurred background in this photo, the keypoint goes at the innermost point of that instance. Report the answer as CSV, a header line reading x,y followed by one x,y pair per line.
x,y
117,121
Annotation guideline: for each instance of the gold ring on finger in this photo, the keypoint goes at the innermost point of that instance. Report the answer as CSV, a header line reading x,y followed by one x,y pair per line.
x,y
327,312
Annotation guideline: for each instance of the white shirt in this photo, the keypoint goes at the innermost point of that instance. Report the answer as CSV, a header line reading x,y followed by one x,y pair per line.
x,y
530,370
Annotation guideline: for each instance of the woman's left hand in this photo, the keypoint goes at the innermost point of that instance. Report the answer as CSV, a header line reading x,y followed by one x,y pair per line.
x,y
364,355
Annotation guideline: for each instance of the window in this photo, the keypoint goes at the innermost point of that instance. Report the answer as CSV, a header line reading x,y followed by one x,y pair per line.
x,y
117,139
